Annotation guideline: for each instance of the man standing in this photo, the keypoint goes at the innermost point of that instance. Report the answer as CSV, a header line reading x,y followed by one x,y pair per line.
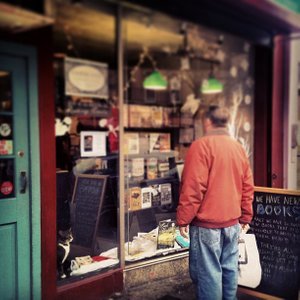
x,y
215,202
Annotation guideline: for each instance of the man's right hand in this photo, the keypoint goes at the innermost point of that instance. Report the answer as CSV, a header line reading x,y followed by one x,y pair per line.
x,y
184,231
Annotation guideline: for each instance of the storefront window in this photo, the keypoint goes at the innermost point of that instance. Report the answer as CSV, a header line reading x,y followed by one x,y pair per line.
x,y
86,127
174,70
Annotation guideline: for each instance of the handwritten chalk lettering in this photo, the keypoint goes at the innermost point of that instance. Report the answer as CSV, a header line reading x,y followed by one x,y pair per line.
x,y
279,210
291,200
259,199
271,199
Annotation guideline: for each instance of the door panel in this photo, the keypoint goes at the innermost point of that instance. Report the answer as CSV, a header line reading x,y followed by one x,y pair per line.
x,y
15,230
8,286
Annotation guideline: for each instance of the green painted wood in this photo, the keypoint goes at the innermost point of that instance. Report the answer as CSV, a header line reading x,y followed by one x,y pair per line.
x,y
20,216
8,250
292,5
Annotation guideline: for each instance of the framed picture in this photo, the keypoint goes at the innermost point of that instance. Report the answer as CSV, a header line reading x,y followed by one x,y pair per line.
x,y
92,143
85,78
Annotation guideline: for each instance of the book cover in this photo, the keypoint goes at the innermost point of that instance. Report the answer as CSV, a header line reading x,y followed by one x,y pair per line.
x,y
166,234
146,197
165,193
182,241
164,142
152,171
135,198
155,190
134,113
163,167
131,143
144,143
145,115
140,116
154,144
157,116
137,168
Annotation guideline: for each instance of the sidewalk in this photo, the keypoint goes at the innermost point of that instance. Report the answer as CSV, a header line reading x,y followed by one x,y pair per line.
x,y
168,289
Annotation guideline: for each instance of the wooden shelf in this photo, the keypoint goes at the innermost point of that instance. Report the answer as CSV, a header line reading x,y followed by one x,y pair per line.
x,y
147,182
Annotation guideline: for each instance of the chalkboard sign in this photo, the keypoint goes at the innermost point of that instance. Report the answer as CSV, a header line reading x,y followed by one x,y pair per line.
x,y
276,225
87,202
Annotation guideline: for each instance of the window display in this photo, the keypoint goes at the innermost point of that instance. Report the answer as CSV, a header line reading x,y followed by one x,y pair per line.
x,y
175,70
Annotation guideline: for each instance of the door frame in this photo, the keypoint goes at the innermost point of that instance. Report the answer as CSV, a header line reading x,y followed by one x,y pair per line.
x,y
29,55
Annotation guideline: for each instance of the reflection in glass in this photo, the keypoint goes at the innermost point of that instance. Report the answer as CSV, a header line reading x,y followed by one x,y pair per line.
x,y
7,189
5,92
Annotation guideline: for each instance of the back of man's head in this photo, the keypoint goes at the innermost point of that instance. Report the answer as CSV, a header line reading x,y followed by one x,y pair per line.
x,y
219,116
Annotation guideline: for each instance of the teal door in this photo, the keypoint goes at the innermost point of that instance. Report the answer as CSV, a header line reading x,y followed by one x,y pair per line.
x,y
19,204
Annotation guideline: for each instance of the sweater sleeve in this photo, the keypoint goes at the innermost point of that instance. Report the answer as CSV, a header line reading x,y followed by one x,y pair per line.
x,y
193,185
247,196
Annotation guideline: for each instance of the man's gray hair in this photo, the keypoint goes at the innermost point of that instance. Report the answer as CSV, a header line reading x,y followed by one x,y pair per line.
x,y
219,116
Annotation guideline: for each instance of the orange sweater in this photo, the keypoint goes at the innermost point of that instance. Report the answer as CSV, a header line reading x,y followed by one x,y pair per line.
x,y
217,183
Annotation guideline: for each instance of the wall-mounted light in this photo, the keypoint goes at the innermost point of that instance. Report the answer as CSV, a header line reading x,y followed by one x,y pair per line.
x,y
155,81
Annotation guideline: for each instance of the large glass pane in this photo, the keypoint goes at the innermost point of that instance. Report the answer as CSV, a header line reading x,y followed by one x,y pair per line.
x,y
5,92
6,135
174,71
7,180
86,128
7,186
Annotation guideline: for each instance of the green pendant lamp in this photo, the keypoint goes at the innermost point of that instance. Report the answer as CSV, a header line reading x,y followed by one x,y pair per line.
x,y
211,86
155,81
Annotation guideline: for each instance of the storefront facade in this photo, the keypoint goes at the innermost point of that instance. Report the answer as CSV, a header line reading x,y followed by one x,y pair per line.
x,y
134,175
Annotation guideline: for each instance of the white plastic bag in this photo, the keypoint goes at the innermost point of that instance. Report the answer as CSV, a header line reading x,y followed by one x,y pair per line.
x,y
249,263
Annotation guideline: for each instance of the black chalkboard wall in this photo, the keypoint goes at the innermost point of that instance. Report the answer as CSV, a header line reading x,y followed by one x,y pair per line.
x,y
87,201
276,225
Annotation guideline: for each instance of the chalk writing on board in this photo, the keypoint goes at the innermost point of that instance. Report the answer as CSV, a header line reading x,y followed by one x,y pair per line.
x,y
88,197
277,229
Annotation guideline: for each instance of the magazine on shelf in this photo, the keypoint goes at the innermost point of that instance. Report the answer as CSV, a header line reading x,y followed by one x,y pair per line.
x,y
164,142
157,116
163,166
152,171
154,145
159,142
131,143
155,195
137,168
135,198
140,116
166,234
165,193
146,197
134,114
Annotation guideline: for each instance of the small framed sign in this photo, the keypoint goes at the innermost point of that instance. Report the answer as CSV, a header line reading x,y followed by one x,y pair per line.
x,y
92,143
85,78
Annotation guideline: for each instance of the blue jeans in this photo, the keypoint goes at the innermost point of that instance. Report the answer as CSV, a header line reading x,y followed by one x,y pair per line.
x,y
213,261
